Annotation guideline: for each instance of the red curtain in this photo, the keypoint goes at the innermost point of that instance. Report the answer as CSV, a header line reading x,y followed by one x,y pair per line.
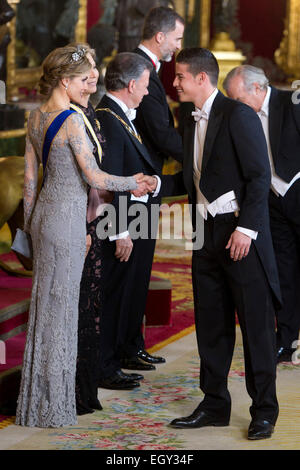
x,y
94,11
262,24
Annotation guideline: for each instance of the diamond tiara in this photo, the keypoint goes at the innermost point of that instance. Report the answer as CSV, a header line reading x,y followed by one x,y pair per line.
x,y
76,56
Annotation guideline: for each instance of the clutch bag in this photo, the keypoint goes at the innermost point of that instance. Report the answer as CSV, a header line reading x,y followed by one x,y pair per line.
x,y
23,244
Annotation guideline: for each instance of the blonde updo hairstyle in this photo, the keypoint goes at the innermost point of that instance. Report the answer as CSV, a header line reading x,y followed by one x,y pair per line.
x,y
63,62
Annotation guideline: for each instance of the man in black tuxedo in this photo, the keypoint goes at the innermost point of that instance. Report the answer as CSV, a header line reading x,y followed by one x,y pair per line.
x,y
227,176
162,35
280,117
127,260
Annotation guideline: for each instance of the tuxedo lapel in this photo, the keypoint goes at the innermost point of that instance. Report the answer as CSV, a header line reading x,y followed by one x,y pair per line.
x,y
143,151
275,122
154,75
107,102
214,122
188,165
157,80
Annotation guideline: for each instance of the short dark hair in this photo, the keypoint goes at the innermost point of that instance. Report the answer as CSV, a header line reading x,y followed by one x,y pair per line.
x,y
124,67
200,60
160,19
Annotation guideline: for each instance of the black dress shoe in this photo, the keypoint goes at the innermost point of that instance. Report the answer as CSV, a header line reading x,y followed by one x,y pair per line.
x,y
135,363
145,356
285,355
198,419
118,382
131,376
95,404
260,429
83,409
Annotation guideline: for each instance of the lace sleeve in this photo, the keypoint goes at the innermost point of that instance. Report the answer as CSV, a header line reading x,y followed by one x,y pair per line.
x,y
30,181
95,177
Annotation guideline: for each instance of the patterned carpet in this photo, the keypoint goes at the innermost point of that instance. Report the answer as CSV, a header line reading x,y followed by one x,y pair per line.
x,y
138,419
182,309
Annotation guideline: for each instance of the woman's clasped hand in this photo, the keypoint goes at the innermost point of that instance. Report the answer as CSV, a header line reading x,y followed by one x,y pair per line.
x,y
146,184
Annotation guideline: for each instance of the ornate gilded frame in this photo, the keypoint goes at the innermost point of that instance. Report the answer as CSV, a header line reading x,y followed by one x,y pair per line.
x,y
29,77
205,15
205,12
288,54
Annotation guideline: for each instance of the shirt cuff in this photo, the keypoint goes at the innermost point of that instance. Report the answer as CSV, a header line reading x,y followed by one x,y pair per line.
x,y
157,190
119,236
251,233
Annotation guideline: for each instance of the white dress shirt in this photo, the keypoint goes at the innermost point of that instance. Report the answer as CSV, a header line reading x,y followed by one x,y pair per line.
x,y
130,113
278,185
226,203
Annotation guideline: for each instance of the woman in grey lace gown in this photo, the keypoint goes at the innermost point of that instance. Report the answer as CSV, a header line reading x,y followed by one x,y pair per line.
x,y
56,220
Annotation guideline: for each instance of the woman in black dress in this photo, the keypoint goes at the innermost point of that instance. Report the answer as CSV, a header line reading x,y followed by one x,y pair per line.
x,y
90,288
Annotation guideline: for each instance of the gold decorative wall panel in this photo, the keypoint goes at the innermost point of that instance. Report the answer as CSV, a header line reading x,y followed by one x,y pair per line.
x,y
204,12
288,54
205,23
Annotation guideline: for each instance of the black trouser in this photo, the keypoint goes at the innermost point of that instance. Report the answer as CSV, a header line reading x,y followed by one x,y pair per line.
x,y
125,289
131,339
285,229
222,286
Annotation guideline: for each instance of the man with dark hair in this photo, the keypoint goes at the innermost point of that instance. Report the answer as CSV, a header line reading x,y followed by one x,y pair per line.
x,y
226,173
126,260
162,35
160,19
129,20
280,118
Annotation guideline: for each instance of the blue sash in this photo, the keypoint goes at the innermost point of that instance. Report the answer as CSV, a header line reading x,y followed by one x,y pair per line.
x,y
51,133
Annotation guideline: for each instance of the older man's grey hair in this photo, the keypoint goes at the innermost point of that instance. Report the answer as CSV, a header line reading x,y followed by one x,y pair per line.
x,y
250,75
125,67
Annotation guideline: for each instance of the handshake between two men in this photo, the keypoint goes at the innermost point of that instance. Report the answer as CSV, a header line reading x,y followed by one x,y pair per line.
x,y
146,184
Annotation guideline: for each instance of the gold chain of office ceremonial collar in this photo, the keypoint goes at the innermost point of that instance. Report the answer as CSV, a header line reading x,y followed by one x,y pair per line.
x,y
129,128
